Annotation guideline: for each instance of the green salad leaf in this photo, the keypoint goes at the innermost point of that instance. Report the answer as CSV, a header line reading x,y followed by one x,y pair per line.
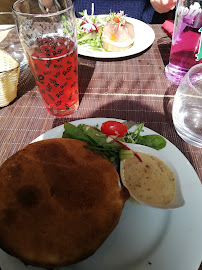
x,y
96,140
154,141
108,146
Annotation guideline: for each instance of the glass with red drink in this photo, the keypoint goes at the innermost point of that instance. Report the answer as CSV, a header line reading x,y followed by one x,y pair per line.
x,y
47,31
186,49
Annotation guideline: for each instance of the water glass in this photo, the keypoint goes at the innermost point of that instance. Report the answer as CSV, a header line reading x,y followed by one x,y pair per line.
x,y
187,107
9,39
186,49
48,36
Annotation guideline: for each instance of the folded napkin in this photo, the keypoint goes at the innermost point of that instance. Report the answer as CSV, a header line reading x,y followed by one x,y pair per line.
x,y
167,27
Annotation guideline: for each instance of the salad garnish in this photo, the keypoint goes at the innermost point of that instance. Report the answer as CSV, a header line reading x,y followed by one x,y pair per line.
x,y
114,128
110,145
90,27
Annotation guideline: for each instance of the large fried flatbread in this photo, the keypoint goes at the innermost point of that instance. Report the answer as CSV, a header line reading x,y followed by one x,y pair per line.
x,y
58,202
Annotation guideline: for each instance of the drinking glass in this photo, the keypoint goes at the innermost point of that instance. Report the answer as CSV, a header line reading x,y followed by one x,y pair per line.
x,y
186,49
9,40
48,36
187,107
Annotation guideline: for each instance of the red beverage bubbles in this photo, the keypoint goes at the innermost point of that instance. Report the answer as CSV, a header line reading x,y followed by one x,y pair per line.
x,y
54,64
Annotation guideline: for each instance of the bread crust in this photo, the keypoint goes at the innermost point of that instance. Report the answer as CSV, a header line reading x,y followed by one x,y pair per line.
x,y
58,202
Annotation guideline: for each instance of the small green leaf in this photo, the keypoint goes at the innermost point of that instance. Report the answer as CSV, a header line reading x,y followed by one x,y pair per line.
x,y
99,137
75,133
154,141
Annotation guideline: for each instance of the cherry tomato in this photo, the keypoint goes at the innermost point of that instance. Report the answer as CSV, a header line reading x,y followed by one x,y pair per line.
x,y
114,128
116,19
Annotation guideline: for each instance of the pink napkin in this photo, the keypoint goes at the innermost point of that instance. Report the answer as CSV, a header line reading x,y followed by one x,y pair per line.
x,y
167,27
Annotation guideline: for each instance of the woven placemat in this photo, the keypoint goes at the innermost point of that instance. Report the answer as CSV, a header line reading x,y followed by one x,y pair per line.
x,y
133,88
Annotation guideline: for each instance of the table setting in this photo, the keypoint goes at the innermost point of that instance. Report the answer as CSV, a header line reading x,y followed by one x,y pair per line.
x,y
94,87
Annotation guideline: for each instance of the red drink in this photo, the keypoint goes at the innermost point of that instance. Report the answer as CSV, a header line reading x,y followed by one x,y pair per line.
x,y
54,64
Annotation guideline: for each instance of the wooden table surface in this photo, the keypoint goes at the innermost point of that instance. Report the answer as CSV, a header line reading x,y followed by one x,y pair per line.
x,y
6,5
133,88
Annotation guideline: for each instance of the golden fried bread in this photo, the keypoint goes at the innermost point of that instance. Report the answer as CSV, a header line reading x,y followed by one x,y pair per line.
x,y
58,202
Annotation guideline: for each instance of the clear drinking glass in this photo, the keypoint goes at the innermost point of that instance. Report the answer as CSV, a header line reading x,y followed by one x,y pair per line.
x,y
187,107
9,40
48,36
186,49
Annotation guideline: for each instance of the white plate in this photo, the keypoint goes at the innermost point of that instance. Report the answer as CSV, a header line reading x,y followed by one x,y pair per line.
x,y
145,238
144,37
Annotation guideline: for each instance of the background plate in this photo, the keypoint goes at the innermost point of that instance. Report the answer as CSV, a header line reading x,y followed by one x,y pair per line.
x,y
144,37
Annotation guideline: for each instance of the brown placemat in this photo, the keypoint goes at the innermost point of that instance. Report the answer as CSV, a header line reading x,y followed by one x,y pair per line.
x,y
133,88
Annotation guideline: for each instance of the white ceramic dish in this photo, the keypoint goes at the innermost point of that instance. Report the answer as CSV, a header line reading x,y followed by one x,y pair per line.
x,y
178,200
144,37
146,238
